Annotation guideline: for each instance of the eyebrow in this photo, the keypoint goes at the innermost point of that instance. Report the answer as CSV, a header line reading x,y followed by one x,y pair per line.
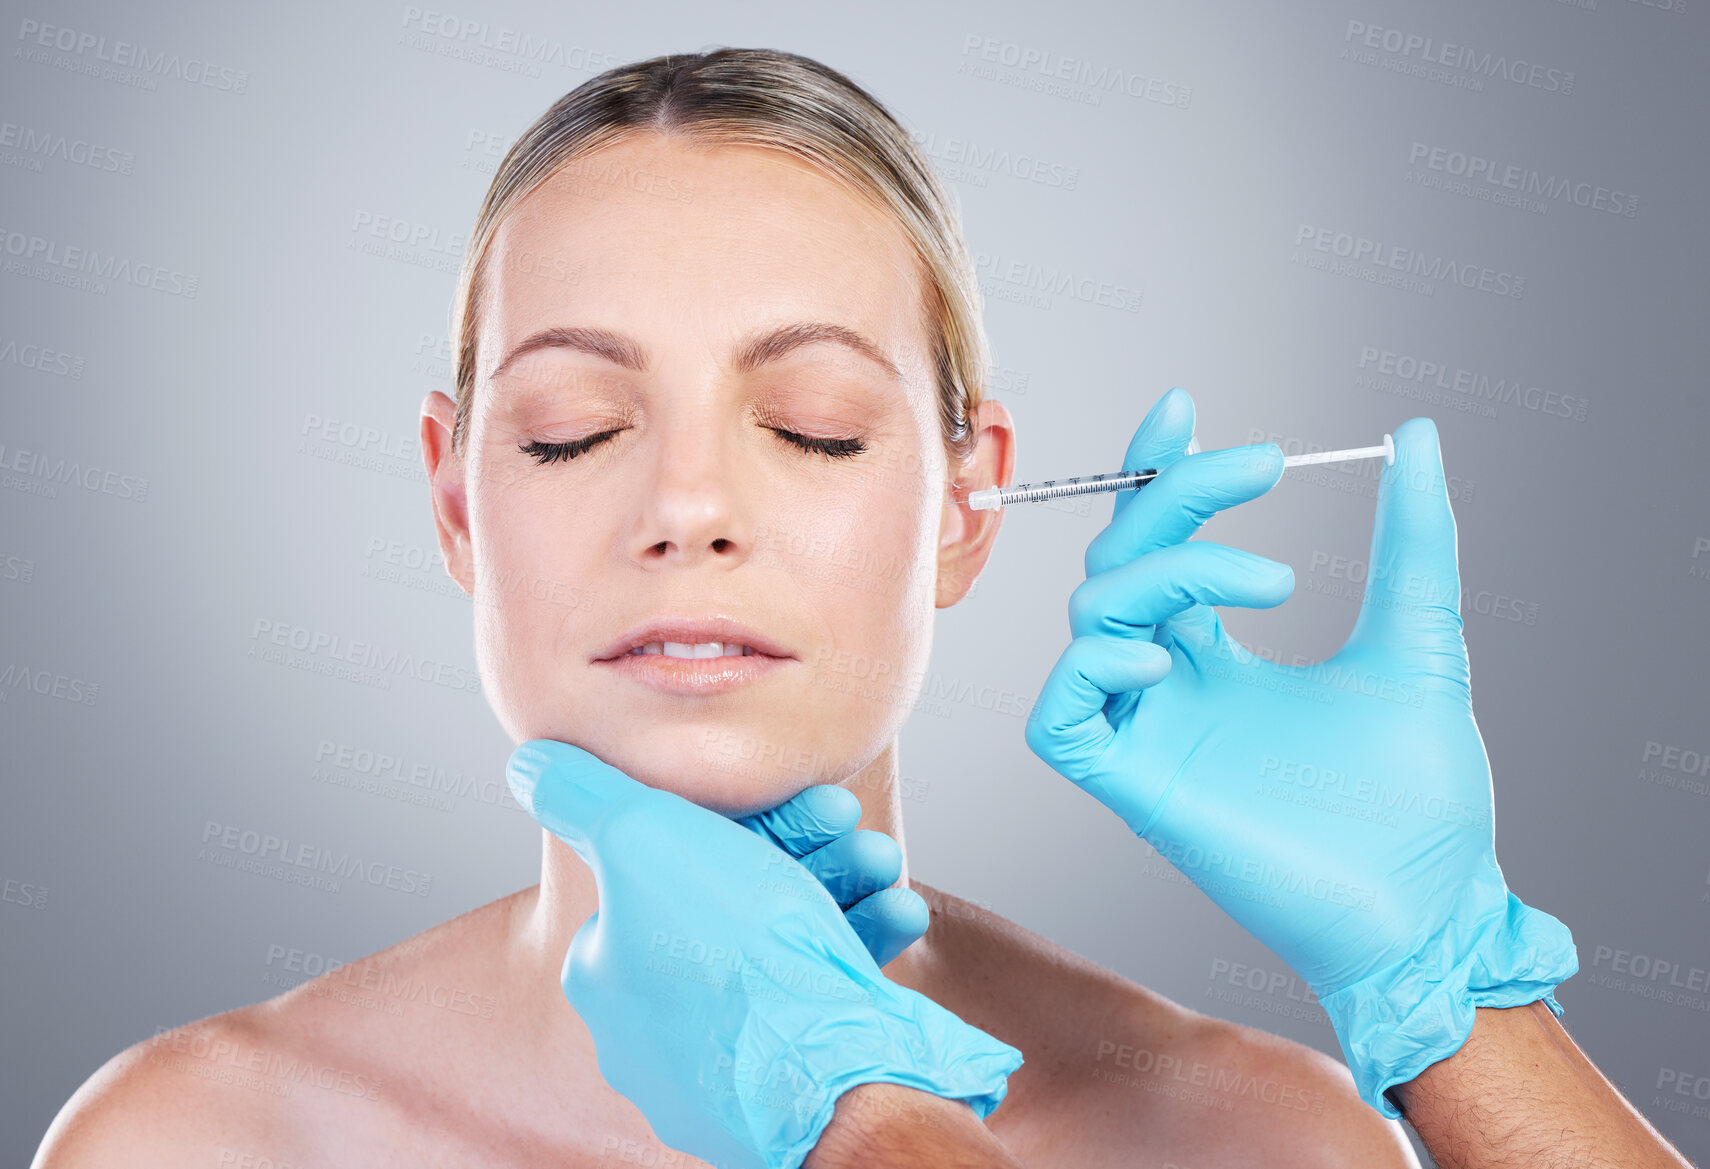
x,y
750,355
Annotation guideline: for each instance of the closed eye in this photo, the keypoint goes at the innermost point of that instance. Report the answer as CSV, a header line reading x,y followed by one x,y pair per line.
x,y
552,452
836,448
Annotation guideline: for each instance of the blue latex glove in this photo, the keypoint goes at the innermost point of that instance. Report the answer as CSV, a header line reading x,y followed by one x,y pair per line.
x,y
857,866
1341,811
728,998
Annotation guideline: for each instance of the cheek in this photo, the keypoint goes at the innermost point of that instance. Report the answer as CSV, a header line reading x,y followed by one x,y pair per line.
x,y
863,563
532,551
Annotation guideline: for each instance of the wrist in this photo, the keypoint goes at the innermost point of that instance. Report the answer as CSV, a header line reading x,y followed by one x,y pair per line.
x,y
1520,1091
903,1041
892,1125
1396,1022
1493,1032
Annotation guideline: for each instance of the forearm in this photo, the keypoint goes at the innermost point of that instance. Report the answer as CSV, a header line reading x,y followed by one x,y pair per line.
x,y
888,1126
1520,1092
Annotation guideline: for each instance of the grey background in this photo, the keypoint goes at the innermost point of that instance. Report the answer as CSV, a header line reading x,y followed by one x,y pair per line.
x,y
1585,543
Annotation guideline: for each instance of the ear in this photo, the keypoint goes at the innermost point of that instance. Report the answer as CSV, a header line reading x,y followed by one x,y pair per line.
x,y
446,487
966,536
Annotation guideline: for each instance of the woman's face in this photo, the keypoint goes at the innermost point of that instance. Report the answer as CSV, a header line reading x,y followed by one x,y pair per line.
x,y
705,423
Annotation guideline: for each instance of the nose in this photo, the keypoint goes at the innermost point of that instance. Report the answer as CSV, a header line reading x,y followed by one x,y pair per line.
x,y
691,510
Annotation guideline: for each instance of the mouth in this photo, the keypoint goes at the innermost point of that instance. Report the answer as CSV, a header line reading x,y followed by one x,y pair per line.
x,y
687,652
694,658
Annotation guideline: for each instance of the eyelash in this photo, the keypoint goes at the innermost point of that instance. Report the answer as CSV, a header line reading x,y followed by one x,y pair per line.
x,y
552,452
834,448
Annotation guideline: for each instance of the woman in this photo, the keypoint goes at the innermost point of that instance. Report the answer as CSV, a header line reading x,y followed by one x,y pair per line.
x,y
719,394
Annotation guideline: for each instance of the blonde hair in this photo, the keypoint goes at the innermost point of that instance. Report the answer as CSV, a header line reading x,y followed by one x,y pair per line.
x,y
775,100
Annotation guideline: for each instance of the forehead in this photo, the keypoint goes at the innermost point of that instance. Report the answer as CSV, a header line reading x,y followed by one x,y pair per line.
x,y
705,242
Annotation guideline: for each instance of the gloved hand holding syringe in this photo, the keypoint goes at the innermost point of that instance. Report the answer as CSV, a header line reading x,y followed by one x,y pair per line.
x,y
1341,810
996,497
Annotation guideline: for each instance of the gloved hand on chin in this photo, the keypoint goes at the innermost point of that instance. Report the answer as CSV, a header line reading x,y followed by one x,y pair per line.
x,y
729,997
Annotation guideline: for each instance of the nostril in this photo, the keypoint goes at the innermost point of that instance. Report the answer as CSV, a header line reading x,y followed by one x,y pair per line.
x,y
721,544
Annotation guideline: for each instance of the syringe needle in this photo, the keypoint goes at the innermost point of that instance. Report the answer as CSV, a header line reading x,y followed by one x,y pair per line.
x,y
995,497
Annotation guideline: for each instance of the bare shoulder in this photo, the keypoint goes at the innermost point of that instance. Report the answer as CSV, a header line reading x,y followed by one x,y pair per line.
x,y
1268,1092
1120,1071
329,1068
173,1100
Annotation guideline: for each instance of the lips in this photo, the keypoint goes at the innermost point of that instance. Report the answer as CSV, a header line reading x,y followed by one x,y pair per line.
x,y
689,640
694,659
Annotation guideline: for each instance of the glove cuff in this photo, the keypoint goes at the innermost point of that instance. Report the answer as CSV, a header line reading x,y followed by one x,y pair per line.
x,y
921,1045
1397,1022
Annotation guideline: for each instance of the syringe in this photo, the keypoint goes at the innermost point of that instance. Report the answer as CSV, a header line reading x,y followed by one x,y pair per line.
x,y
995,497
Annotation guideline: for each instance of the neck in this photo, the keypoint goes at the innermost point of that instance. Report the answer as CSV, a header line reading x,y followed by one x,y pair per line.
x,y
567,895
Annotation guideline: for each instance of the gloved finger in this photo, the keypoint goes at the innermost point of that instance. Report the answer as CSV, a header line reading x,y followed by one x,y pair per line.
x,y
1163,436
855,865
1413,587
812,818
568,790
1196,630
889,922
1128,600
1067,727
1172,507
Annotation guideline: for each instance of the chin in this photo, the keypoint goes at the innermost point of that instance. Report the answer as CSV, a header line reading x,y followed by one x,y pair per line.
x,y
705,766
